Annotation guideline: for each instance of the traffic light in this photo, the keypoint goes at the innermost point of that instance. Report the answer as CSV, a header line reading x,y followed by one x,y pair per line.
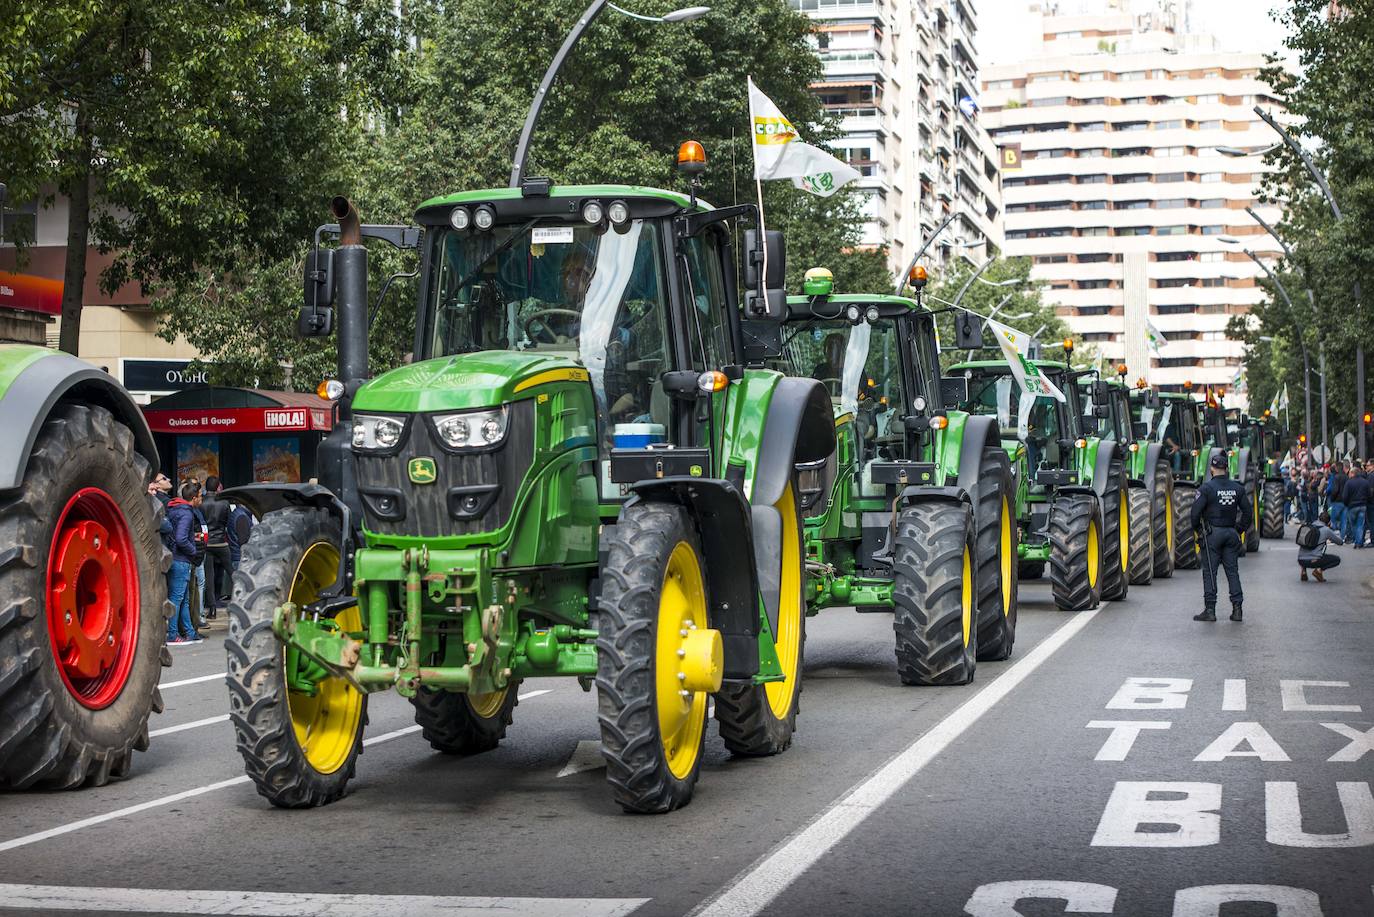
x,y
1368,417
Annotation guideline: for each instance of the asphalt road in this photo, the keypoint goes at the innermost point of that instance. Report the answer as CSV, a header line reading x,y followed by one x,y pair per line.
x,y
1125,761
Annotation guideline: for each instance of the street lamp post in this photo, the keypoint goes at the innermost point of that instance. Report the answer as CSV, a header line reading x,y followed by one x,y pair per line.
x,y
1312,304
589,15
1306,363
901,278
1320,179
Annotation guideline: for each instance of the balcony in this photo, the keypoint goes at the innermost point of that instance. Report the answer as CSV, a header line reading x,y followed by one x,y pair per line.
x,y
859,120
853,64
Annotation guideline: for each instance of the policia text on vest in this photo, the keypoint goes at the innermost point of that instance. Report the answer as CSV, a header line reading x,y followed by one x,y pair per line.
x,y
1220,514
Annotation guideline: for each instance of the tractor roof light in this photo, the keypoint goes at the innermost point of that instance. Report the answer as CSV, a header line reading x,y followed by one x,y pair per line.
x,y
593,213
459,218
818,281
1121,370
619,212
484,217
691,158
918,277
871,315
1068,345
1141,383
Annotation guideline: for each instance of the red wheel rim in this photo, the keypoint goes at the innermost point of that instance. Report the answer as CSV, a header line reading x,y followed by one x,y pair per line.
x,y
93,598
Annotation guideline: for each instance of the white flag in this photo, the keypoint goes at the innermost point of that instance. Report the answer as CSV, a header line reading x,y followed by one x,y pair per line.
x,y
1155,336
779,153
1283,401
1028,375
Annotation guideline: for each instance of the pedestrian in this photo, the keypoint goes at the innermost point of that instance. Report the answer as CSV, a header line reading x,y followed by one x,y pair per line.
x,y
1309,513
217,557
1220,514
1312,541
1290,494
1357,505
185,552
1336,494
239,530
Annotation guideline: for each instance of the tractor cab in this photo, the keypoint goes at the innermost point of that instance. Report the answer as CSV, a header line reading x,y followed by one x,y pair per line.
x,y
1180,432
1042,428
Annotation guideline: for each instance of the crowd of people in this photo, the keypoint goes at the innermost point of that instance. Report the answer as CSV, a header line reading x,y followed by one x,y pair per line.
x,y
205,535
1335,501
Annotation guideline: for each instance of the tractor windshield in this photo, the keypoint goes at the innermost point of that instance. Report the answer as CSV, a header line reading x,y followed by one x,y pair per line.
x,y
998,395
596,298
858,364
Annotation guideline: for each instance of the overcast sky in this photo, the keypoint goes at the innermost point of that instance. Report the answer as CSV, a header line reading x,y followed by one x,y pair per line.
x,y
1239,25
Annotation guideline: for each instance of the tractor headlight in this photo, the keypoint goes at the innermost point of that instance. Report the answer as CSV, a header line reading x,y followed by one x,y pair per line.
x,y
376,434
471,429
459,218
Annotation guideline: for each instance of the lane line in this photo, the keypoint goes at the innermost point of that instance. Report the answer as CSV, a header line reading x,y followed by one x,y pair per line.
x,y
78,825
208,721
755,888
281,904
218,676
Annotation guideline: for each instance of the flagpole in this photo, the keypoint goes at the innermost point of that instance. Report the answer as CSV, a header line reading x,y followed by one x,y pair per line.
x,y
758,181
763,230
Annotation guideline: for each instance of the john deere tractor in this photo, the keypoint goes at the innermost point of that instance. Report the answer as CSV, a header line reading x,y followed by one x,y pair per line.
x,y
1187,450
1262,437
83,600
1102,428
1059,516
1150,467
580,475
915,515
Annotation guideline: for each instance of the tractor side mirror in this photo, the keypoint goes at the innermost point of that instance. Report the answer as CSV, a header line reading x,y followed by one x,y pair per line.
x,y
770,304
316,318
968,332
1101,410
1140,430
953,391
1102,393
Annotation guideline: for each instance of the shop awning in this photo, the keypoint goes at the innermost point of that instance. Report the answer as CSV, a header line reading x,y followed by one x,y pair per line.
x,y
216,409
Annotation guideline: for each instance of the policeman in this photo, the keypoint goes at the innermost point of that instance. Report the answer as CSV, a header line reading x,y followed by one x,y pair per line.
x,y
1220,514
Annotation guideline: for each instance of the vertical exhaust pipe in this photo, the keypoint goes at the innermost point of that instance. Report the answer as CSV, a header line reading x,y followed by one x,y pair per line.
x,y
350,296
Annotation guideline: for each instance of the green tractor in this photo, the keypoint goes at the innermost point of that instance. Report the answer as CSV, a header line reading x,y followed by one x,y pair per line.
x,y
583,473
1262,437
1186,449
1104,435
1149,468
83,599
915,514
1059,514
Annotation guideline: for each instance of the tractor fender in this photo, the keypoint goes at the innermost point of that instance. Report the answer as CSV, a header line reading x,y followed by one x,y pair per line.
x,y
1152,455
799,428
261,499
956,496
48,381
978,431
1078,489
725,523
1243,463
1102,467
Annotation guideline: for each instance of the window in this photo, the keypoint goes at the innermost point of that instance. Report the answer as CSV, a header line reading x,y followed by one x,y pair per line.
x,y
1175,230
1095,76
1212,282
1209,125
1094,310
1099,336
1213,230
1173,283
1212,336
1000,84
1088,152
1131,75
1208,177
1092,179
1133,151
1209,257
1134,100
1093,126
1212,203
1212,98
1092,205
1132,205
1095,258
1175,256
1091,231
1041,103
1170,152
19,223
1170,203
1172,124
1046,78
1131,125
1132,178
1214,361
1051,259
1166,177
1175,309
1094,284
1133,230
1093,100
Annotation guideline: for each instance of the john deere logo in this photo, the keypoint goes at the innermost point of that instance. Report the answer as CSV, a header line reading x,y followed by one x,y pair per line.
x,y
422,471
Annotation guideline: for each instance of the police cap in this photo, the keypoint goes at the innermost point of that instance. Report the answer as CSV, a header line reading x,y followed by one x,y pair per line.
x,y
1219,461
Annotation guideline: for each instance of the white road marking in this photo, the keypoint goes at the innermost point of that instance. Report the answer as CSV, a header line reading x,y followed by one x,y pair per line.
x,y
279,904
78,825
218,676
208,721
585,757
754,889
1233,695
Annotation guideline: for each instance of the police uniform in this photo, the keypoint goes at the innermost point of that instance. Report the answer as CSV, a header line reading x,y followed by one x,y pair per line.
x,y
1220,513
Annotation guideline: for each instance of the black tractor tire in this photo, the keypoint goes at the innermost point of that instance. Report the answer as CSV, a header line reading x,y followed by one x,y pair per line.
x,y
1115,535
1162,516
933,591
1271,526
1075,521
1186,555
995,540
259,700
58,728
453,724
1251,539
1030,569
1142,566
749,723
637,555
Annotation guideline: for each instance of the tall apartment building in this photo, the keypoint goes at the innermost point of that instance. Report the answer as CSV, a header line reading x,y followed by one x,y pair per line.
x,y
1123,196
901,75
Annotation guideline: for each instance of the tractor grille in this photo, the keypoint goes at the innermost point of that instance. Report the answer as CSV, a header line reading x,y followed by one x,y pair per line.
x,y
472,493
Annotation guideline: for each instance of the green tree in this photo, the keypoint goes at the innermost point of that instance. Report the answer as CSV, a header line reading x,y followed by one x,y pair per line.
x,y
179,131
1005,287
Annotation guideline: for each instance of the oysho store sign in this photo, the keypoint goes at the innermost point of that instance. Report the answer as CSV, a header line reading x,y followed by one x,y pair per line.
x,y
160,376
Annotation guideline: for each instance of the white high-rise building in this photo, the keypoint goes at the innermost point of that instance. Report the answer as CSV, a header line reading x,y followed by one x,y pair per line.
x,y
1124,195
902,76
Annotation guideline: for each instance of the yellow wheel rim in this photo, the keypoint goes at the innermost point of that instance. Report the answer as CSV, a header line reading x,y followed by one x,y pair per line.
x,y
788,637
966,597
486,706
326,725
1169,520
681,609
1125,531
1006,558
1092,554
